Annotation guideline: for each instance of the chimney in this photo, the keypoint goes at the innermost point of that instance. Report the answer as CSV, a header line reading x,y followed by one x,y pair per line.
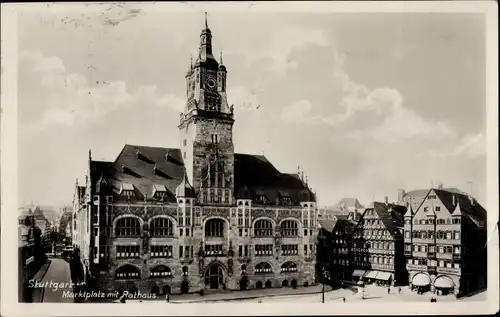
x,y
453,201
386,200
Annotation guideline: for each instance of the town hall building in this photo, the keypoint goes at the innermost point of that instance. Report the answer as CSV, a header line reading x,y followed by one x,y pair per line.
x,y
199,217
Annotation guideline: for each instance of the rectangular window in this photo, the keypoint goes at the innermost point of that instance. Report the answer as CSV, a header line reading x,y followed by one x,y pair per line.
x,y
240,232
213,249
263,249
181,232
161,251
127,251
185,142
305,249
305,232
186,252
240,251
180,251
289,249
187,232
246,250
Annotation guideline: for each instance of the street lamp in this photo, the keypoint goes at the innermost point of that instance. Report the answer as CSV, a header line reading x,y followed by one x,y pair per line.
x,y
326,275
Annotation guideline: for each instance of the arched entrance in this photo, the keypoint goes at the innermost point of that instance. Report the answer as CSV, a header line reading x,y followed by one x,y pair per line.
x,y
268,284
184,287
214,276
258,284
294,283
284,283
243,283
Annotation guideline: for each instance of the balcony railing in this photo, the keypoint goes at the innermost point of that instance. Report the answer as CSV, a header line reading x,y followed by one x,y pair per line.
x,y
431,254
457,256
408,253
416,267
448,270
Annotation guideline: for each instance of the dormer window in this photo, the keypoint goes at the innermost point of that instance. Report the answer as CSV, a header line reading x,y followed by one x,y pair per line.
x,y
159,191
262,199
127,190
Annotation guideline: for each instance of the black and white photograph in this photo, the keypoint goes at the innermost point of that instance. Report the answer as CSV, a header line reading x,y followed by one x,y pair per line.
x,y
183,157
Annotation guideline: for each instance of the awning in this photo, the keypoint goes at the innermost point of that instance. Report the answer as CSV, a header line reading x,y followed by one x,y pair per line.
x,y
383,276
371,274
444,282
358,273
421,280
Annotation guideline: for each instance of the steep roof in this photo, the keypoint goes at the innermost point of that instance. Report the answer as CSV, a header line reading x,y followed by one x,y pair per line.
x,y
469,207
143,167
328,225
350,202
391,215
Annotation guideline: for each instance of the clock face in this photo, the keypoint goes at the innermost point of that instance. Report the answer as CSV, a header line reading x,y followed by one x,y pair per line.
x,y
211,83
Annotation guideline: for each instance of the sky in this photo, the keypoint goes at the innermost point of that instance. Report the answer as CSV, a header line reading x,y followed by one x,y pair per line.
x,y
365,103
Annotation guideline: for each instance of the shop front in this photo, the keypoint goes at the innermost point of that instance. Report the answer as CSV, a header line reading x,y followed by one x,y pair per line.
x,y
421,283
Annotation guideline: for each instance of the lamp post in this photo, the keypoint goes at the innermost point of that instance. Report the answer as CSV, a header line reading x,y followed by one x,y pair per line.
x,y
326,275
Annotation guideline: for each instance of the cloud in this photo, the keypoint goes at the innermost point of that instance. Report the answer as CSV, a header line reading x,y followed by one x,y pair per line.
x,y
297,112
172,101
74,100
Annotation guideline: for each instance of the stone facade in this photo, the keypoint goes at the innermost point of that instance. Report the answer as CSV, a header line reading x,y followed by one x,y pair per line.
x,y
199,217
198,264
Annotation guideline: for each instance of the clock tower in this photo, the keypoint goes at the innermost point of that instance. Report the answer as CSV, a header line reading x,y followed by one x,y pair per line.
x,y
206,127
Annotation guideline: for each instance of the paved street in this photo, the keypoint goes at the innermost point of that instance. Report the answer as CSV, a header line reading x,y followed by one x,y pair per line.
x,y
58,272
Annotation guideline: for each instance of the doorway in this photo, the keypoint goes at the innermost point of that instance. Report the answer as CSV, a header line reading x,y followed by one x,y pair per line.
x,y
214,277
184,287
243,283
166,289
268,284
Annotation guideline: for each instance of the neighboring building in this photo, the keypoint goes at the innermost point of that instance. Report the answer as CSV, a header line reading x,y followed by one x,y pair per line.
x,y
445,243
333,251
65,224
200,217
415,197
81,229
377,247
30,254
346,208
41,221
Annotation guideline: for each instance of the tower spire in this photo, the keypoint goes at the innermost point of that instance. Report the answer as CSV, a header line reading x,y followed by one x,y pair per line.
x,y
221,57
206,21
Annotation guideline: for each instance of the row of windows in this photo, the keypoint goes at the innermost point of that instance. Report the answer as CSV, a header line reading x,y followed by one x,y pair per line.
x,y
341,261
289,267
374,245
340,250
161,251
371,222
374,259
440,263
132,272
127,251
429,234
264,249
213,249
289,249
431,221
432,248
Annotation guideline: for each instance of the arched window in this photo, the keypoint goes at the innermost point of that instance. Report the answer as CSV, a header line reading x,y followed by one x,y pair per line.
x,y
128,272
160,271
289,228
162,227
128,226
263,268
214,228
289,267
263,228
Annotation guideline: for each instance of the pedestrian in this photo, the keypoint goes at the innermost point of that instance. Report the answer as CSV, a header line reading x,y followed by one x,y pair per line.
x,y
167,297
399,290
343,299
388,290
